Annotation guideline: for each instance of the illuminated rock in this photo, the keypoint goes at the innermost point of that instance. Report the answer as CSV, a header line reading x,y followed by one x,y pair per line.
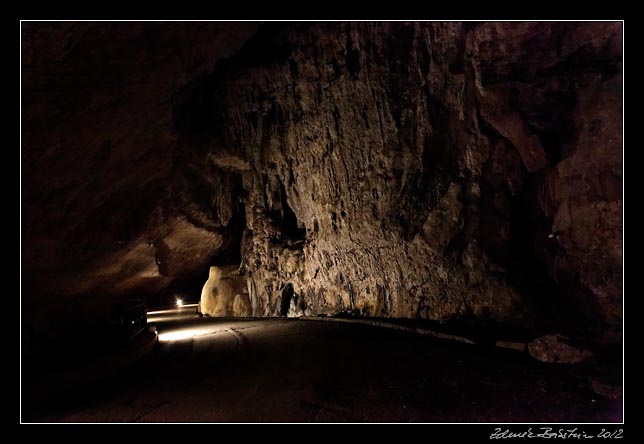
x,y
225,293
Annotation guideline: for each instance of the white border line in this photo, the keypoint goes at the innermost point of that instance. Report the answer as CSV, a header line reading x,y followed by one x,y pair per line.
x,y
335,20
20,175
323,21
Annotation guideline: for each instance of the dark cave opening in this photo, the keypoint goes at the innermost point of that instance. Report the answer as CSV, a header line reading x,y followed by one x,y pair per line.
x,y
230,252
290,224
522,252
526,269
287,296
551,145
189,287
282,213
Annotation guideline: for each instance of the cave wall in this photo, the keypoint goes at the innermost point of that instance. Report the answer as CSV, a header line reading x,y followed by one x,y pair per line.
x,y
432,170
107,211
442,171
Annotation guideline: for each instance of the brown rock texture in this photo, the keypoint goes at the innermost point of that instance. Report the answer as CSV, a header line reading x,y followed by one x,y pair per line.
x,y
555,349
431,170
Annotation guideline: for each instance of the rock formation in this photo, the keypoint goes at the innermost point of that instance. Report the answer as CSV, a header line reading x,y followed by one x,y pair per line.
x,y
225,293
431,170
440,171
554,348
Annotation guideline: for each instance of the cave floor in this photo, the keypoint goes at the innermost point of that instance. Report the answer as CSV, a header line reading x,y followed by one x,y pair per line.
x,y
287,370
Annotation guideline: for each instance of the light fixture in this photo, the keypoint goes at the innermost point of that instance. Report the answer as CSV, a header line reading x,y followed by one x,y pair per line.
x,y
179,302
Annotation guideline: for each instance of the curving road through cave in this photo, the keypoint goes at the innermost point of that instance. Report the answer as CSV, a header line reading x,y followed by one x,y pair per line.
x,y
289,370
292,175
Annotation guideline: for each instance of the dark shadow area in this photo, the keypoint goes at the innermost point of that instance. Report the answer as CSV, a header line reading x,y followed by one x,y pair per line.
x,y
230,252
332,369
285,217
287,296
189,289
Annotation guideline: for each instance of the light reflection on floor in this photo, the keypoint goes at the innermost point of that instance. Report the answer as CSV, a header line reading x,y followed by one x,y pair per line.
x,y
167,332
160,318
190,333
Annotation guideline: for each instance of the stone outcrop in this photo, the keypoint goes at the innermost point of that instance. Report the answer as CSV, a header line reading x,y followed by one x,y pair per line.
x,y
433,170
225,293
556,349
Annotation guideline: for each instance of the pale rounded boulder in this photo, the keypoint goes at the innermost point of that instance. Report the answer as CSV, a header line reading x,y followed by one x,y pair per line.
x,y
225,293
